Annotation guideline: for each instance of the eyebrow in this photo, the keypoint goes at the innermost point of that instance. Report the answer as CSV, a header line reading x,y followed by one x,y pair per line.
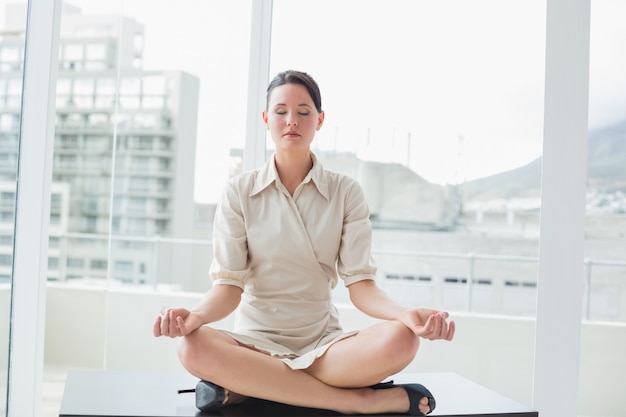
x,y
301,104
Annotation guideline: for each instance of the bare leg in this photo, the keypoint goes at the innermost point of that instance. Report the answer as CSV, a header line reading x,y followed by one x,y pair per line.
x,y
211,355
386,348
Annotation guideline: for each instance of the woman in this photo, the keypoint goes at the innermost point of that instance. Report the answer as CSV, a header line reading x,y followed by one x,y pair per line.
x,y
282,235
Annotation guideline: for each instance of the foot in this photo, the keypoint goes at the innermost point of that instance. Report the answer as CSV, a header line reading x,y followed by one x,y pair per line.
x,y
233,398
211,397
421,401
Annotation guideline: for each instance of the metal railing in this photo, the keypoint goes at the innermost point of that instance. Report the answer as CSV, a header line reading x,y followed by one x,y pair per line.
x,y
156,243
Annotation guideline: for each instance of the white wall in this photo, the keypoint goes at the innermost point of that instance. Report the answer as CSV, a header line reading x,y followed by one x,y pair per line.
x,y
94,328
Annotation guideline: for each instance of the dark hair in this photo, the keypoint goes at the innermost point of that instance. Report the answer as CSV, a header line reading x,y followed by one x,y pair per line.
x,y
296,77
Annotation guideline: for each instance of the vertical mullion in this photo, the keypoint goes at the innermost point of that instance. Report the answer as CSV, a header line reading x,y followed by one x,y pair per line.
x,y
30,259
561,248
258,76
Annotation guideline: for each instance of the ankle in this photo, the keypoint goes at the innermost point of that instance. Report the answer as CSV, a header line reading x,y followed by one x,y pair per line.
x,y
383,401
232,397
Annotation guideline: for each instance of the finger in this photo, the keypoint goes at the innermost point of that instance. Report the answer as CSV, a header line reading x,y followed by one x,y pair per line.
x,y
451,331
156,328
165,324
182,327
173,324
437,328
428,327
445,326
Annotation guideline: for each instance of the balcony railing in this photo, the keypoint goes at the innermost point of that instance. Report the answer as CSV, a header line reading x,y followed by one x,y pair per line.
x,y
149,251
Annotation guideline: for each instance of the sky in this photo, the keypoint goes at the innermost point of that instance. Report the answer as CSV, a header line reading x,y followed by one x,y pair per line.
x,y
451,88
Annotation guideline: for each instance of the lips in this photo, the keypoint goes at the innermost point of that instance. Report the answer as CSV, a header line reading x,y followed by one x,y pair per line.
x,y
291,133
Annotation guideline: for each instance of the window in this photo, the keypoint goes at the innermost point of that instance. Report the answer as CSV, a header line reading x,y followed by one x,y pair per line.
x,y
90,224
53,263
6,216
5,260
95,51
73,52
137,205
98,264
8,122
10,54
55,201
161,227
90,204
605,246
55,219
463,73
6,196
6,240
140,163
441,114
137,226
75,263
105,86
139,184
124,266
130,86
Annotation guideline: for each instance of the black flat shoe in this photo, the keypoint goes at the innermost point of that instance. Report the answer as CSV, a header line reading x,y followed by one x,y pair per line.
x,y
209,397
415,392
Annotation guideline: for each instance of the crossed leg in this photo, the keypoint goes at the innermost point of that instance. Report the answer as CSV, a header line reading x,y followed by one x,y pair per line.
x,y
335,381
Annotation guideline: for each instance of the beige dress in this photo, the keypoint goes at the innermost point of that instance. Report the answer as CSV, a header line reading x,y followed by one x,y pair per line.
x,y
286,253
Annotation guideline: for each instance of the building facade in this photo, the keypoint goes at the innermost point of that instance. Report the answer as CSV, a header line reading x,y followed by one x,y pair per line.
x,y
124,151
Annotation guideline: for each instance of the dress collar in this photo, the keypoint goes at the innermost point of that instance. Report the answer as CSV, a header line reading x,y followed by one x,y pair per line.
x,y
268,175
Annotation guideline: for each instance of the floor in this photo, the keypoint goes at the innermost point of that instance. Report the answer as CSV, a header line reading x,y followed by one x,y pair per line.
x,y
53,386
455,394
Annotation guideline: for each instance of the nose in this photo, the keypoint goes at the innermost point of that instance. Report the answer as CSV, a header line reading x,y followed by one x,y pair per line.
x,y
292,121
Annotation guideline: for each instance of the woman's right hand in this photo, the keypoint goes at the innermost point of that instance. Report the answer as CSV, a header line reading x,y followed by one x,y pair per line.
x,y
175,322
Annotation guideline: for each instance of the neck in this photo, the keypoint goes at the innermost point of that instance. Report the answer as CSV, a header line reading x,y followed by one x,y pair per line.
x,y
293,168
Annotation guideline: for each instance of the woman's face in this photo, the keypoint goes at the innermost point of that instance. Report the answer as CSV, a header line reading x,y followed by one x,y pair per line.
x,y
291,117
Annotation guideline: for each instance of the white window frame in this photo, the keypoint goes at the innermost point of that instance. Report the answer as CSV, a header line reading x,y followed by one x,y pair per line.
x,y
562,217
562,228
258,77
30,260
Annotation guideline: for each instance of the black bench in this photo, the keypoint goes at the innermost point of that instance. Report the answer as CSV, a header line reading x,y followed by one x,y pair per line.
x,y
155,394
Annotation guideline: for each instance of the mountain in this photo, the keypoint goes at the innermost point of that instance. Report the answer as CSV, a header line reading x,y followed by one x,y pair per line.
x,y
606,170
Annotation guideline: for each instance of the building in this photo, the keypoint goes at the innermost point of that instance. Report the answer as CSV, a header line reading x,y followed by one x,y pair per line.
x,y
135,143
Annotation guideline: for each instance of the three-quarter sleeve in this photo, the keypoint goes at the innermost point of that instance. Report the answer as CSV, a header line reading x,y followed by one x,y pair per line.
x,y
231,265
355,262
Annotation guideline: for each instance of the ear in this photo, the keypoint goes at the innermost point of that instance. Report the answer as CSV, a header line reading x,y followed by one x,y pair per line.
x,y
264,116
320,120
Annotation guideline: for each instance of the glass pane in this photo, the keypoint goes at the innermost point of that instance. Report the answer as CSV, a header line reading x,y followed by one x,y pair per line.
x,y
12,40
436,108
145,125
604,305
605,248
441,122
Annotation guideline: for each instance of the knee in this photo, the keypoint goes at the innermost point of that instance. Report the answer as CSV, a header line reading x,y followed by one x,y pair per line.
x,y
193,354
188,351
401,341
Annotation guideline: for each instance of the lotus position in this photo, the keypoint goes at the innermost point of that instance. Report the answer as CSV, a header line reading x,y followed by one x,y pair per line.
x,y
283,236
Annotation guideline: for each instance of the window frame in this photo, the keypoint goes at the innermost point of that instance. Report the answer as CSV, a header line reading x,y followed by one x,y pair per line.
x,y
562,219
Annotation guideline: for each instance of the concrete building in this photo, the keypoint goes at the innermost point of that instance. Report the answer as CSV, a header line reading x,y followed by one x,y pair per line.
x,y
124,148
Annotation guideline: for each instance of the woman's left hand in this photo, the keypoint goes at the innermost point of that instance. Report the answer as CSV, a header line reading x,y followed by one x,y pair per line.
x,y
429,324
